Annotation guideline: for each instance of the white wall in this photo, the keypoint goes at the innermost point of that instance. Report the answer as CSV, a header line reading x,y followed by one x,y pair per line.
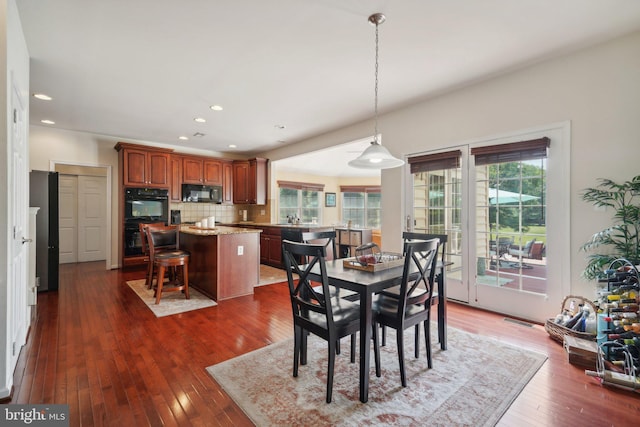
x,y
60,146
330,216
596,89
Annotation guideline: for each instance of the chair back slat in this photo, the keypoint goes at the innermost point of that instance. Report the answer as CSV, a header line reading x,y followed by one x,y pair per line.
x,y
409,236
143,234
326,238
303,296
420,256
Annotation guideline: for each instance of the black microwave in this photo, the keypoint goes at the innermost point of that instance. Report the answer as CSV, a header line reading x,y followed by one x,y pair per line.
x,y
201,193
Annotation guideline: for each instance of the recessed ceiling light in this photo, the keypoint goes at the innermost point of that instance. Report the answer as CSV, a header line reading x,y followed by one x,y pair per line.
x,y
232,145
183,138
48,122
200,120
216,108
42,96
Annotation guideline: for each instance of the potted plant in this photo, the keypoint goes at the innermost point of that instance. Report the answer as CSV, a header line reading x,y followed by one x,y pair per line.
x,y
622,239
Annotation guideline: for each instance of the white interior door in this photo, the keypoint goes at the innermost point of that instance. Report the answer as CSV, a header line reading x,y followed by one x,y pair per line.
x,y
18,184
92,218
68,218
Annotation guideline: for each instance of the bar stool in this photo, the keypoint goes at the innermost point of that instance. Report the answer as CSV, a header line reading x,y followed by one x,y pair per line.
x,y
166,255
145,248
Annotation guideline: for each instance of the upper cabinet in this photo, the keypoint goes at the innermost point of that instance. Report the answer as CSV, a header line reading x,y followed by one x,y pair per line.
x,y
250,181
227,182
175,192
243,181
198,170
144,166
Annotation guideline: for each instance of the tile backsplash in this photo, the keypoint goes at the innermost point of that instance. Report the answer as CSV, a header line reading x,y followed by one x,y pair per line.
x,y
192,212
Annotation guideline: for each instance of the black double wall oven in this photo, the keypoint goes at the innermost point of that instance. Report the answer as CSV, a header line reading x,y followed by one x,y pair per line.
x,y
142,205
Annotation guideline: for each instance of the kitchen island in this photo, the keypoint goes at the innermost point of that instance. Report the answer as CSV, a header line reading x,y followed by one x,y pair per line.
x,y
273,235
224,261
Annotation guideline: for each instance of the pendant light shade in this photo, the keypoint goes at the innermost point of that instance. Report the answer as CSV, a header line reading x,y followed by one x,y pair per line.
x,y
376,156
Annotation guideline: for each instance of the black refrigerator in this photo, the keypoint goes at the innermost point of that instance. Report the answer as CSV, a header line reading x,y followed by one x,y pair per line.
x,y
43,193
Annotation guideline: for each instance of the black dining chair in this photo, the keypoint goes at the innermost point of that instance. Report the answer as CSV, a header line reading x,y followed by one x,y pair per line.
x,y
330,318
410,236
412,305
328,239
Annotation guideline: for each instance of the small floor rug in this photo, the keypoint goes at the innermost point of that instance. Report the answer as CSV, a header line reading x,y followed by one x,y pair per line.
x,y
472,383
171,302
270,275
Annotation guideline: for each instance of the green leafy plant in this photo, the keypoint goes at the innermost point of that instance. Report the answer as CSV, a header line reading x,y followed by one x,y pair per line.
x,y
622,239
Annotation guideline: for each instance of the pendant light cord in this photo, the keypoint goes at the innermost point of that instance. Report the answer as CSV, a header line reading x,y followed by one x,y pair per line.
x,y
375,135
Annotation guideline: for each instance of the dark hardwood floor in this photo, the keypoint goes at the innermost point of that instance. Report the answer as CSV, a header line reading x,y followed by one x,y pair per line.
x,y
95,346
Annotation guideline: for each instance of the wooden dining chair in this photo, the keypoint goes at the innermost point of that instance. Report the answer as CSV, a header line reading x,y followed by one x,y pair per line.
x,y
329,318
165,254
412,305
145,248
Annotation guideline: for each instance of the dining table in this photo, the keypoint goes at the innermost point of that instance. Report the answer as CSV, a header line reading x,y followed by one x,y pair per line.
x,y
368,283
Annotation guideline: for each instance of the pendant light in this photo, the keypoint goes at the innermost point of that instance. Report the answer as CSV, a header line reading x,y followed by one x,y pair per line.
x,y
376,156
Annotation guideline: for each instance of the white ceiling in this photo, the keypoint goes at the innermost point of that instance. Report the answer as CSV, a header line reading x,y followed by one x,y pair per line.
x,y
144,69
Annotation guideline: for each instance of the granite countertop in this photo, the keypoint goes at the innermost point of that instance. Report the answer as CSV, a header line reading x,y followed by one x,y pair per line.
x,y
218,230
268,224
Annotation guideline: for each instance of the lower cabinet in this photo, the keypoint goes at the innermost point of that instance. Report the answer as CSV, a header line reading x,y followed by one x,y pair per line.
x,y
271,247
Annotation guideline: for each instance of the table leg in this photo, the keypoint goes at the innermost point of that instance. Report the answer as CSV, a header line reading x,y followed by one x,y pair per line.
x,y
442,309
365,340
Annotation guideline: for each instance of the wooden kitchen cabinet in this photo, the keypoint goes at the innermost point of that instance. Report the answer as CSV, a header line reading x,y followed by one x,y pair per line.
x,y
175,190
227,182
271,247
144,167
250,181
198,170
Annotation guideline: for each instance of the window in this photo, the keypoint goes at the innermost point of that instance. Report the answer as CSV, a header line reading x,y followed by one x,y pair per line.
x,y
300,200
361,205
511,215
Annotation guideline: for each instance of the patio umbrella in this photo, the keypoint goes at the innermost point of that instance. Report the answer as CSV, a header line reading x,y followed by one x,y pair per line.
x,y
502,196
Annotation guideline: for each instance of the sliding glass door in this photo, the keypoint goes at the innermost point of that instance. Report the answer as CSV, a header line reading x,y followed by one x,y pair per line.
x,y
436,208
504,205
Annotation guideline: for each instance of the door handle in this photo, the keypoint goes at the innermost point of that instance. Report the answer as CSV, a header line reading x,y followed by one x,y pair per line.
x,y
26,240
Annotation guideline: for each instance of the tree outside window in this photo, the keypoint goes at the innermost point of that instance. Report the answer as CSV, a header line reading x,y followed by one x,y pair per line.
x,y
300,200
361,205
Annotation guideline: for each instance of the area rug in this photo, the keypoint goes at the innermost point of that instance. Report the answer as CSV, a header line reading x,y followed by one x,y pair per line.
x,y
171,302
270,275
472,383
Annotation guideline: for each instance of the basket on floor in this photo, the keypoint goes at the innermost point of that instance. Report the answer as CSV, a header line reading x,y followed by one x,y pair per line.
x,y
557,332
